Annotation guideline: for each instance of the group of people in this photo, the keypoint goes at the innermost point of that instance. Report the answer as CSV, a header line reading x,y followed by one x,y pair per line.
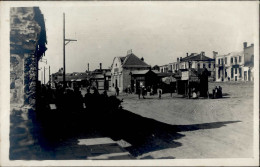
x,y
72,100
217,92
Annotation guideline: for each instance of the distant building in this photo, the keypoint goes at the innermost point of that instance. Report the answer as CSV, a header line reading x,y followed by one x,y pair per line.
x,y
101,78
197,61
248,67
235,66
79,79
121,68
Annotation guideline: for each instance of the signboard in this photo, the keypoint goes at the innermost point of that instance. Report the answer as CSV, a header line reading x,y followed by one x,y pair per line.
x,y
185,75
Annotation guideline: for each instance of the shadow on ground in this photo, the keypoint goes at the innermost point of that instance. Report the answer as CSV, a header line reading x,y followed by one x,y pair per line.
x,y
53,128
146,135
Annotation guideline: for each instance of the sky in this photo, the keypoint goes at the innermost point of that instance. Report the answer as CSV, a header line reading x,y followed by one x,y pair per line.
x,y
157,31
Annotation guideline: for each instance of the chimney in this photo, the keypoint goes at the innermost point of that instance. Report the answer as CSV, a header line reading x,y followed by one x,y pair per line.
x,y
100,65
202,54
142,59
245,44
187,54
215,54
88,66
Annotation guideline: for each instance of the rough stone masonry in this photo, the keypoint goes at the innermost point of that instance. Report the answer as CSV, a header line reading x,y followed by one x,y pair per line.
x,y
27,46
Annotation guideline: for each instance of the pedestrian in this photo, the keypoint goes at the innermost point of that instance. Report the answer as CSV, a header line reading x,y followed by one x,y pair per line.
x,y
220,91
117,91
138,91
194,94
143,91
159,90
216,92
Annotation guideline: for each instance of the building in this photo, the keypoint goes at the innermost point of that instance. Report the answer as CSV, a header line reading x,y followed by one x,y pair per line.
x,y
197,61
27,46
101,78
121,68
235,66
75,79
248,68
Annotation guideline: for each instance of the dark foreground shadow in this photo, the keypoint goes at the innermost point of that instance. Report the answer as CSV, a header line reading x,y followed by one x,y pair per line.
x,y
143,134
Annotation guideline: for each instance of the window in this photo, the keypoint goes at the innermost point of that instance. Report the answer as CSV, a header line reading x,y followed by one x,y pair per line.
x,y
225,60
218,61
198,65
236,60
222,61
240,73
225,73
204,65
218,73
209,65
239,59
235,70
232,75
231,60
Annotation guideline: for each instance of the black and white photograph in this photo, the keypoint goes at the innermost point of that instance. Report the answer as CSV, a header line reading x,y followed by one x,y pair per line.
x,y
129,83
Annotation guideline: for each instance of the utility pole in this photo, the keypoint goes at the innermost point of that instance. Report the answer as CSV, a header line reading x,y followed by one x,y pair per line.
x,y
64,60
49,75
44,75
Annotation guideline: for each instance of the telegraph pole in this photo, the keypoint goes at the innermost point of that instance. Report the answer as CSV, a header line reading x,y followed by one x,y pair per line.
x,y
64,60
44,75
64,81
49,75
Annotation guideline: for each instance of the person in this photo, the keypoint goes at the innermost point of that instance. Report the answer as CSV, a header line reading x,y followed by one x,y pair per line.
x,y
220,91
138,91
194,94
159,91
143,92
129,89
88,100
216,92
117,91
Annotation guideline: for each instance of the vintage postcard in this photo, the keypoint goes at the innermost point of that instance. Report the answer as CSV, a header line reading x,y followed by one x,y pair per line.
x,y
112,83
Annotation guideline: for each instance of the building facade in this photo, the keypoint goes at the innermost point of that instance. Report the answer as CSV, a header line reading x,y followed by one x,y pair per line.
x,y
121,68
197,61
235,66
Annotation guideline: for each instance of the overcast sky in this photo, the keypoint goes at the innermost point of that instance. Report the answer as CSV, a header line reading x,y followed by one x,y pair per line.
x,y
158,31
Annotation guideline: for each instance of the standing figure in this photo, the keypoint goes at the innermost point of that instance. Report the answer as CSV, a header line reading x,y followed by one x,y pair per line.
x,y
117,91
220,91
143,91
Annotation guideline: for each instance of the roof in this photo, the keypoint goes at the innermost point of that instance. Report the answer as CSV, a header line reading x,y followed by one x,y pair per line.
x,y
142,72
122,59
132,60
197,57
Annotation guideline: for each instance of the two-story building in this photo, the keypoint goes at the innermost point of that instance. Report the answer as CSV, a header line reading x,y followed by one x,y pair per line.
x,y
235,66
121,68
197,61
248,68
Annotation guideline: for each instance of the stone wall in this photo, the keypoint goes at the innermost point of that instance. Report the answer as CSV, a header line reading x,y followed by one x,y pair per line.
x,y
27,46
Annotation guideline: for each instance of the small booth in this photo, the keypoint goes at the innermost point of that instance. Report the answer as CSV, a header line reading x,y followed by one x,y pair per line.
x,y
147,78
192,80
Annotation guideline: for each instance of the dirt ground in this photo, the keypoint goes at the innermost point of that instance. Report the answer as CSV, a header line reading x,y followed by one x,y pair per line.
x,y
223,127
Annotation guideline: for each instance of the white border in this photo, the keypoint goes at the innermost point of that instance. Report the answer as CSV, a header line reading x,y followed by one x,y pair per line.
x,y
5,103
